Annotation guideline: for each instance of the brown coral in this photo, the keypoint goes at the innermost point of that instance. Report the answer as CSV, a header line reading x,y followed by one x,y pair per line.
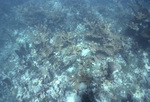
x,y
107,43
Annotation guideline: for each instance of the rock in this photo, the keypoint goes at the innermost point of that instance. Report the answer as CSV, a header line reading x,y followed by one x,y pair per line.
x,y
113,68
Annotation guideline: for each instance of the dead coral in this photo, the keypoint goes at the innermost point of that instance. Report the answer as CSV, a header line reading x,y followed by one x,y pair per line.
x,y
80,77
88,63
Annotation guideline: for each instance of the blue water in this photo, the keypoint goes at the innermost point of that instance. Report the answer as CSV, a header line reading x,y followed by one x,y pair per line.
x,y
74,51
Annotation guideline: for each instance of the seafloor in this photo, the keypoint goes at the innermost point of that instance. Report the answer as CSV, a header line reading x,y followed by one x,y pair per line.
x,y
74,51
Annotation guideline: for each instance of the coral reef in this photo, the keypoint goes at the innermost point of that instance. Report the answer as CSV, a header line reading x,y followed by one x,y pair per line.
x,y
76,51
107,42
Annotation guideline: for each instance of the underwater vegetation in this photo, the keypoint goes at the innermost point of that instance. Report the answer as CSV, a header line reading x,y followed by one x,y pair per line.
x,y
74,51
